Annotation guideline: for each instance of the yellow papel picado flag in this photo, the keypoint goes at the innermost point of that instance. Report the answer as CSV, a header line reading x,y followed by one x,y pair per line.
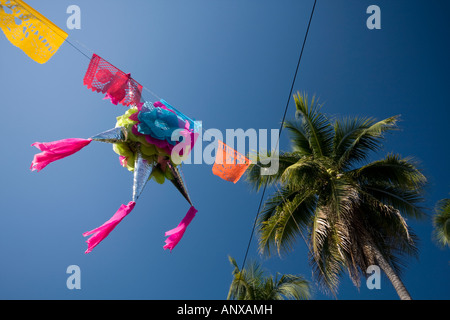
x,y
29,30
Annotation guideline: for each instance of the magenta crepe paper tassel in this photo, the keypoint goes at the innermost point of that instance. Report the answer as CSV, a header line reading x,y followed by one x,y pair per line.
x,y
123,161
100,233
176,234
55,150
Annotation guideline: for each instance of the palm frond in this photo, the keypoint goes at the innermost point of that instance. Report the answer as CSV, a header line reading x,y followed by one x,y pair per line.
x,y
315,124
254,174
292,287
355,138
385,228
284,216
304,174
251,283
246,282
396,249
319,231
326,261
441,222
331,235
404,200
299,138
340,197
397,171
238,287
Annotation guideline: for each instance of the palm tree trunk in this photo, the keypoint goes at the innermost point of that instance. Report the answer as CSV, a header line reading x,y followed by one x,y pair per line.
x,y
391,274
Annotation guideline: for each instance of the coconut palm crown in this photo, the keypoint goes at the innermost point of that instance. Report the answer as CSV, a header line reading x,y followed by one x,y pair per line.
x,y
252,283
350,212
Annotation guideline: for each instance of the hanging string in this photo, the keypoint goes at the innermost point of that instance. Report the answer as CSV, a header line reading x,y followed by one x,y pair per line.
x,y
279,134
89,58
91,52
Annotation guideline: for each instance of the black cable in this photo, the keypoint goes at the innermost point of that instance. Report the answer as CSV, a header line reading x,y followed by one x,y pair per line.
x,y
281,128
89,58
296,69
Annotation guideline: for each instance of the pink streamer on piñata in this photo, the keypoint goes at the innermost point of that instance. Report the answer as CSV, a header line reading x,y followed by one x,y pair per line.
x,y
123,161
55,150
100,233
177,233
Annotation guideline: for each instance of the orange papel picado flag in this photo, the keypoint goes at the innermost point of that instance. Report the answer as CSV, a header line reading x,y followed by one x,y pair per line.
x,y
29,30
230,165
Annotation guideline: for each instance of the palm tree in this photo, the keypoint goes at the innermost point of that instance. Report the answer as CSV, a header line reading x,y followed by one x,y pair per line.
x,y
441,222
349,212
250,283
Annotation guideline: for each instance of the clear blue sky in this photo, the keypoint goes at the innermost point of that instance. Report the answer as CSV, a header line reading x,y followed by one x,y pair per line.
x,y
229,64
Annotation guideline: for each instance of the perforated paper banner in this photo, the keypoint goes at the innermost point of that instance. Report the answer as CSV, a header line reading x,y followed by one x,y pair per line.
x,y
29,30
229,165
102,76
